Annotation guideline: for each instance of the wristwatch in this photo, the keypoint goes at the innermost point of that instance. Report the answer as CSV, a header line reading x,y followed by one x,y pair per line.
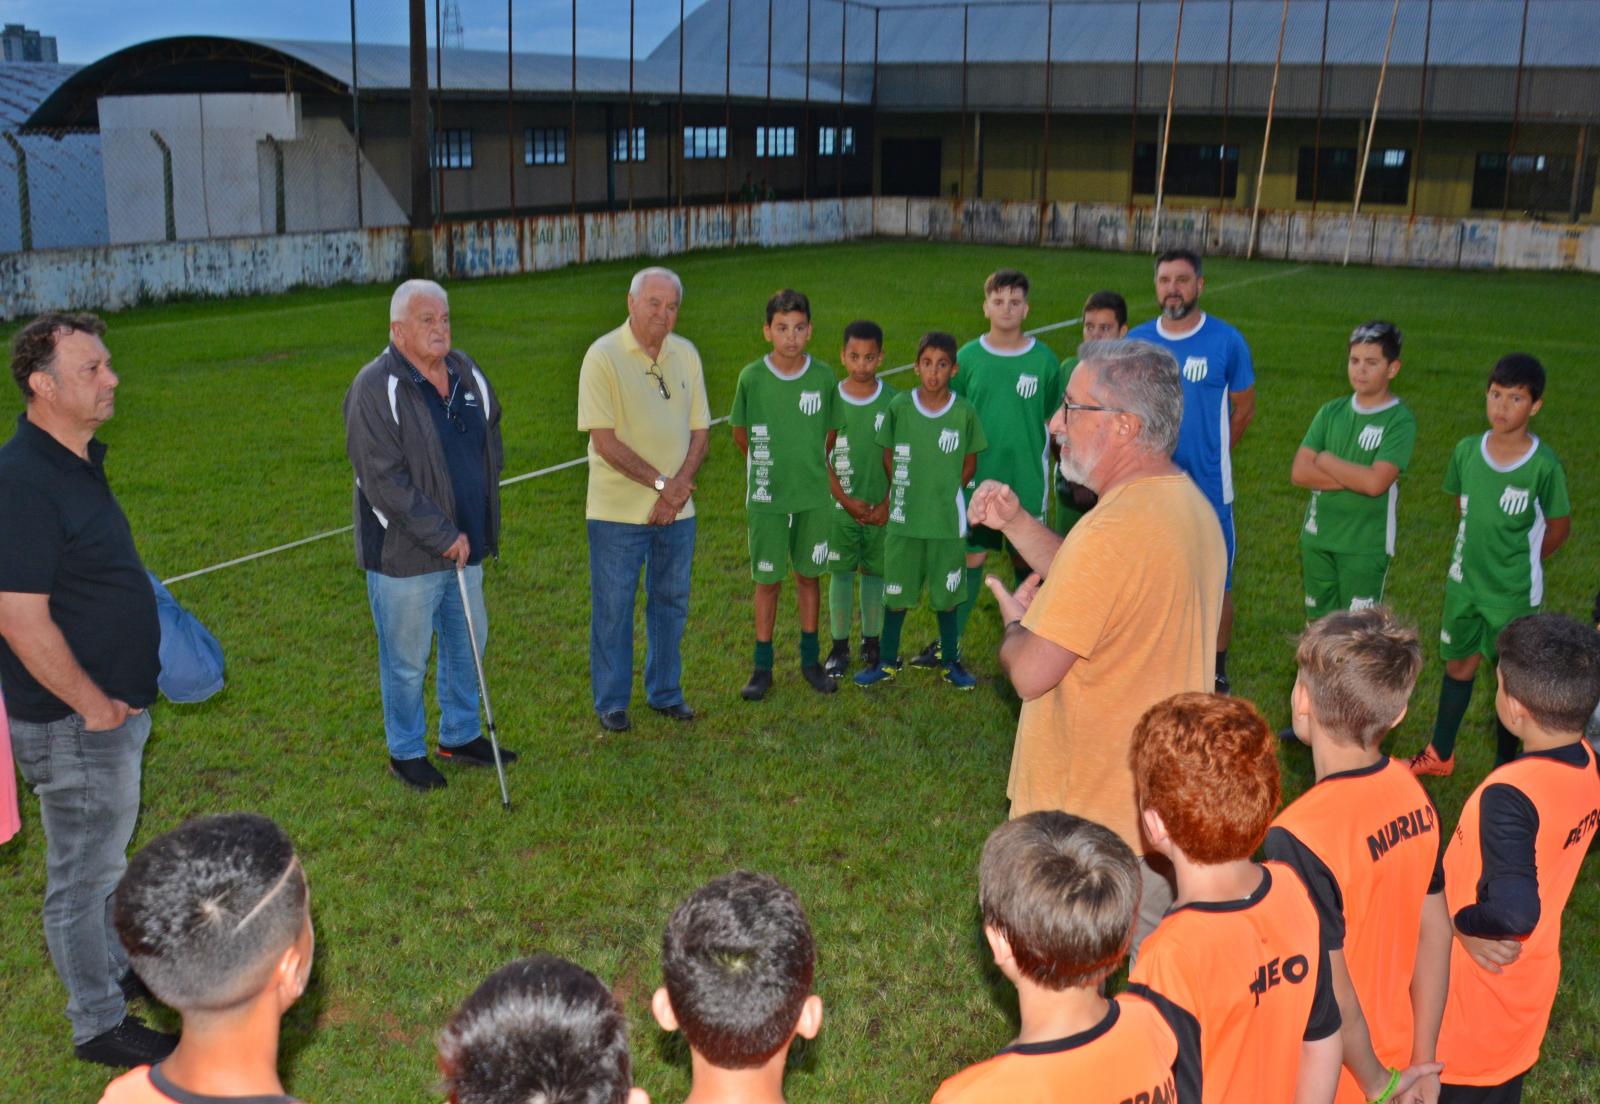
x,y
660,483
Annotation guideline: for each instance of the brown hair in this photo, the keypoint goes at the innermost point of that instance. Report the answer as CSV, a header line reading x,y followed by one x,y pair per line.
x,y
33,348
1359,666
1208,765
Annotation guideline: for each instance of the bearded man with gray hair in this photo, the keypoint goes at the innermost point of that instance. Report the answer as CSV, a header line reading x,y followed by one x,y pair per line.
x,y
422,430
1127,610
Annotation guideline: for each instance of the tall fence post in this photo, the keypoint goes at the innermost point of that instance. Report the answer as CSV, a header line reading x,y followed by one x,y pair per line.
x,y
166,186
1575,204
1166,134
1516,112
1049,97
838,129
1422,109
355,116
1372,126
961,171
511,123
572,138
1266,140
632,149
25,202
1316,135
1227,105
1133,112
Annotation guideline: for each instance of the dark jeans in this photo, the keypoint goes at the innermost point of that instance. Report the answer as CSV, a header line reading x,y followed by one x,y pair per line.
x,y
88,788
617,553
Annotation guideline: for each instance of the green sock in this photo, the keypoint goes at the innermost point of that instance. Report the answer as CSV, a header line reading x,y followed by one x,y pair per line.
x,y
963,610
808,648
763,655
841,594
949,636
889,649
1454,694
871,605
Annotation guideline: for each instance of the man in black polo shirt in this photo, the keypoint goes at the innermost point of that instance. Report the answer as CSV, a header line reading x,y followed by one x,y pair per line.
x,y
422,430
79,655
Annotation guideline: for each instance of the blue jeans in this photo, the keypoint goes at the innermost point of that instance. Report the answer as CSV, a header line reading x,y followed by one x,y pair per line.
x,y
88,788
617,553
408,614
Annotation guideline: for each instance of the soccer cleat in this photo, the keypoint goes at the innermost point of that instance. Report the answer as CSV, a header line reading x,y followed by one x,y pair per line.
x,y
959,677
1427,761
838,661
818,678
477,752
929,658
1223,685
419,774
869,651
130,1043
760,682
878,672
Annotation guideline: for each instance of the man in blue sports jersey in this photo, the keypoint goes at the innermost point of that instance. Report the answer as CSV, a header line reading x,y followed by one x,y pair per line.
x,y
1219,399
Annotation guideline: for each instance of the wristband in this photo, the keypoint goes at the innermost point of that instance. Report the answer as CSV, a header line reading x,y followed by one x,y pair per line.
x,y
1388,1090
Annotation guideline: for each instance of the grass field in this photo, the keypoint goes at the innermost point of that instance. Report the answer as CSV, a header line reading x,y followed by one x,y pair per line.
x,y
228,439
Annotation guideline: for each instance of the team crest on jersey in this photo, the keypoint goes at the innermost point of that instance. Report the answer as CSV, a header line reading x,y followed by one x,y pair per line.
x,y
1027,385
764,565
891,588
1359,604
949,440
819,553
952,579
1195,369
877,421
810,402
1514,500
1371,437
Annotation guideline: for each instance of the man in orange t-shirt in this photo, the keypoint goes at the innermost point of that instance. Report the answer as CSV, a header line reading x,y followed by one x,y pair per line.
x,y
1128,611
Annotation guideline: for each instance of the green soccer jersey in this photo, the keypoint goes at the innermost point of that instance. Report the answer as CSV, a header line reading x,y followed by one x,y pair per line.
x,y
788,421
1504,510
1014,395
1349,521
929,450
857,456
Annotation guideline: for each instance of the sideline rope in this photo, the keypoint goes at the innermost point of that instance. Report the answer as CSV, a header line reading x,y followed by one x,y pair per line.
x,y
576,461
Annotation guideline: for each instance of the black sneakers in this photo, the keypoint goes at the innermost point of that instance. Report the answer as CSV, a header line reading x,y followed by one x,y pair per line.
x,y
838,661
477,752
869,651
128,1044
929,658
419,774
760,682
818,678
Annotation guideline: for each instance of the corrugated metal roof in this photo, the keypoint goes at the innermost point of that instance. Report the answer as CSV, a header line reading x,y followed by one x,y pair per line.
x,y
24,85
66,185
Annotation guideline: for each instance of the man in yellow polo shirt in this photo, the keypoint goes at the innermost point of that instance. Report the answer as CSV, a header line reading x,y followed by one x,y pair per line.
x,y
642,400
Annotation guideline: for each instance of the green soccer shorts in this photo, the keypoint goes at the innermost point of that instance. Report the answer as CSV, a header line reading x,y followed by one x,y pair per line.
x,y
1470,629
855,547
779,541
1341,580
908,562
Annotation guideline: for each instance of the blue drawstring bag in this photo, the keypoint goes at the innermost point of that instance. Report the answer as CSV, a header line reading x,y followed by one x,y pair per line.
x,y
191,658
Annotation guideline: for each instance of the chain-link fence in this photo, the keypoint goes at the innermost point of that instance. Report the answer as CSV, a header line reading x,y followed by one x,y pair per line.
x,y
1423,108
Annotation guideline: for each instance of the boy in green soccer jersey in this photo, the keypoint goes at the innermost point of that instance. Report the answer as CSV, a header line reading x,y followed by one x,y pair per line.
x,y
931,439
785,415
1105,318
1014,382
855,543
1350,461
1511,492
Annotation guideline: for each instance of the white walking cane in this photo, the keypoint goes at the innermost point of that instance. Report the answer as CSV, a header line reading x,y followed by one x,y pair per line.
x,y
483,686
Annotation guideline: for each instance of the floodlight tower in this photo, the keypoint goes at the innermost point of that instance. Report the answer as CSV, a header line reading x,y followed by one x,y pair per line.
x,y
454,34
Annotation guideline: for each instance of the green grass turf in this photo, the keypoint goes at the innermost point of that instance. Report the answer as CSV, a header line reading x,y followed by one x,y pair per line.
x,y
228,439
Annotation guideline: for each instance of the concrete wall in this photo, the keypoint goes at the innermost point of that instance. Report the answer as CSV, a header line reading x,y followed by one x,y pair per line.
x,y
114,277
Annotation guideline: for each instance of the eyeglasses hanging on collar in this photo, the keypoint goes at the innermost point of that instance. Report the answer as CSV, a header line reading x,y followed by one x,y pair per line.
x,y
654,372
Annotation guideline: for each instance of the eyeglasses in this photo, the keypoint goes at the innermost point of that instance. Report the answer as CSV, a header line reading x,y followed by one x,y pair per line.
x,y
1068,406
654,372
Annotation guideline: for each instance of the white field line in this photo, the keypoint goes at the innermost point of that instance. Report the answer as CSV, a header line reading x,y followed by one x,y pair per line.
x,y
576,461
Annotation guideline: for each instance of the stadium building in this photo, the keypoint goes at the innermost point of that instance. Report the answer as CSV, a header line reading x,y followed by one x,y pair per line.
x,y
1488,108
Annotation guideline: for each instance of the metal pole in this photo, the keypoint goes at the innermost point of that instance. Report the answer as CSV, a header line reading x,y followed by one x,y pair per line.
x,y
1133,124
1422,110
1166,134
682,121
768,124
631,149
483,686
438,103
511,123
1266,138
1575,204
1316,140
572,136
25,202
961,173
1516,112
421,179
1227,103
1049,102
877,20
727,103
838,130
805,118
1372,126
355,114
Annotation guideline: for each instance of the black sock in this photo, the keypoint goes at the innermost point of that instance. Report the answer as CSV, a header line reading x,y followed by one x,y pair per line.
x,y
1505,744
1222,664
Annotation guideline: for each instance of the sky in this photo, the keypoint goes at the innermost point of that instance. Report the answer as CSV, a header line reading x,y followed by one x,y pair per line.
x,y
86,30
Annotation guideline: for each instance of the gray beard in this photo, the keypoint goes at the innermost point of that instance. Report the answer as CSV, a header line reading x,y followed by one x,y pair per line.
x,y
1180,312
